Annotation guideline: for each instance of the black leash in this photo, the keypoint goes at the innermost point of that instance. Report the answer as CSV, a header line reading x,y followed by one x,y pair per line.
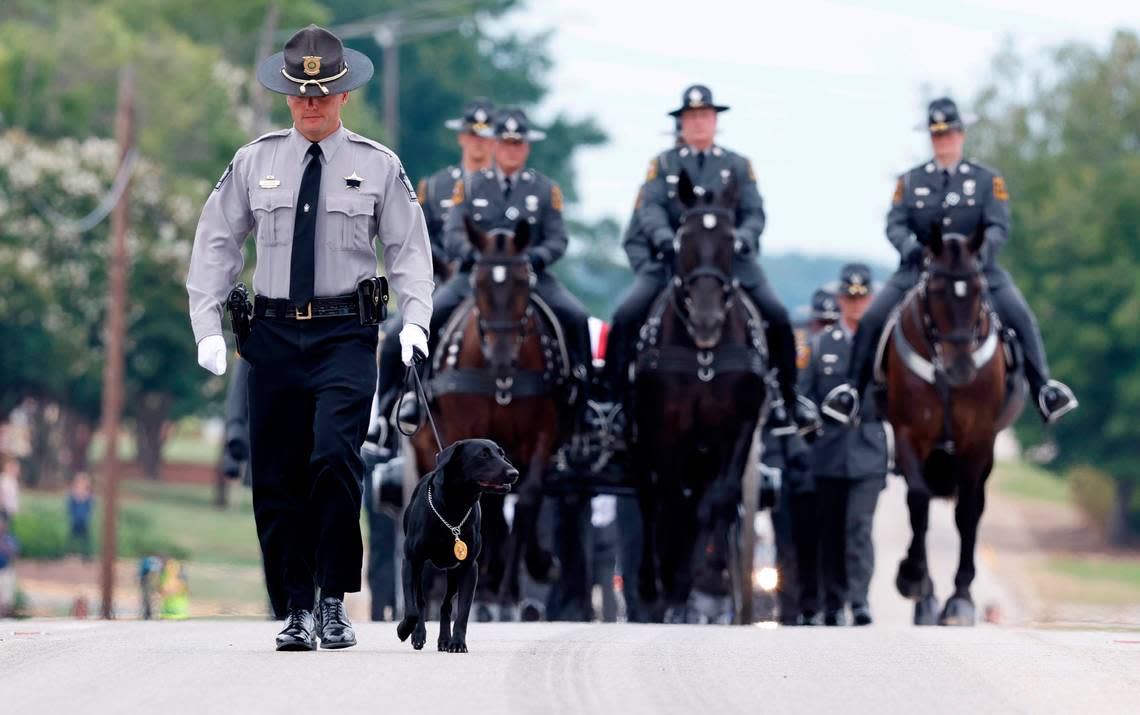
x,y
417,358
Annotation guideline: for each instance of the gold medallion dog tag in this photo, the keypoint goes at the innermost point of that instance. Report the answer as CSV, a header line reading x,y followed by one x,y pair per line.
x,y
460,549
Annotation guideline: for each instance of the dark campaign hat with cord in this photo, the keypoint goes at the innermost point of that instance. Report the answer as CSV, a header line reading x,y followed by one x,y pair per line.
x,y
697,96
315,63
855,280
512,124
823,305
942,116
476,118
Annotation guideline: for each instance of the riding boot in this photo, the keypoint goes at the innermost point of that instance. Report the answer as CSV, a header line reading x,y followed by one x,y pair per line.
x,y
789,414
1052,397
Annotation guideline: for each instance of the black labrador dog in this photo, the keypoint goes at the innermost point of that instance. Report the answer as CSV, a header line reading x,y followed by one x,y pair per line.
x,y
442,527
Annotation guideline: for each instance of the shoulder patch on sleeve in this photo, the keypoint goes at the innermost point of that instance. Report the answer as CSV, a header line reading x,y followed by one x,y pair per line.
x,y
803,354
748,168
898,197
1000,192
457,193
421,191
640,197
407,184
652,173
225,175
555,197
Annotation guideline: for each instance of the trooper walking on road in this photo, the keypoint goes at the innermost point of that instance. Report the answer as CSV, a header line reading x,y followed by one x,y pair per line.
x,y
315,195
849,463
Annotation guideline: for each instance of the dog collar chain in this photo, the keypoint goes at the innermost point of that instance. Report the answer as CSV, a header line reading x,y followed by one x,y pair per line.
x,y
460,548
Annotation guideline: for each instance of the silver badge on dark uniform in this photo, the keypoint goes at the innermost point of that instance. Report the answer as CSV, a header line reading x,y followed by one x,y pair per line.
x,y
512,213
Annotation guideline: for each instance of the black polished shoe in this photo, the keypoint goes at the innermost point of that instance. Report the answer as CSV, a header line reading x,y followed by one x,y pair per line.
x,y
299,631
1055,400
335,628
811,618
841,404
861,615
835,618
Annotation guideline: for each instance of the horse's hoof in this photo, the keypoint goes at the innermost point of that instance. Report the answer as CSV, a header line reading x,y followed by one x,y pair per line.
x,y
926,612
913,581
484,612
959,611
676,615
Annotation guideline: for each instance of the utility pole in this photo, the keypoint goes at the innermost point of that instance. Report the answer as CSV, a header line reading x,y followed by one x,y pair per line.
x,y
387,36
115,329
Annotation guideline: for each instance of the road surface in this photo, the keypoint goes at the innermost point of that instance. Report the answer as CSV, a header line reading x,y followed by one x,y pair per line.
x,y
230,666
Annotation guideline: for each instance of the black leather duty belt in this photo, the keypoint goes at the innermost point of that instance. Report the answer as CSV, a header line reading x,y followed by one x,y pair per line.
x,y
335,307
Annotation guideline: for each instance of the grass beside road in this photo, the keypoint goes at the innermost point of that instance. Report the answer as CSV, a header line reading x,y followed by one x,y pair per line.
x,y
1028,481
1097,580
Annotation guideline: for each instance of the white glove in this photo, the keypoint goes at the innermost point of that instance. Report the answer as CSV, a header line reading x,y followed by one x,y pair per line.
x,y
412,336
212,354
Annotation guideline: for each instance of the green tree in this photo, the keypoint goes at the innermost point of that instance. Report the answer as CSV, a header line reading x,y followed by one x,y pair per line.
x,y
1066,134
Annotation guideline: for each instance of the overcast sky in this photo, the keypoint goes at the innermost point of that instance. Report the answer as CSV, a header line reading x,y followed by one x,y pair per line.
x,y
824,95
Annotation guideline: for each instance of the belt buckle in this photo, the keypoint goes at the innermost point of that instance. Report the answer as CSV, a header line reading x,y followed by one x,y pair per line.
x,y
308,315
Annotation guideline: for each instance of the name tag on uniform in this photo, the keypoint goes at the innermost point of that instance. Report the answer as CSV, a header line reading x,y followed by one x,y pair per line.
x,y
269,182
921,191
479,202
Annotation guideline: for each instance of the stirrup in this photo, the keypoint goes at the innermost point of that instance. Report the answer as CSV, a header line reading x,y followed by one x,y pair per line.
x,y
1070,401
781,422
829,408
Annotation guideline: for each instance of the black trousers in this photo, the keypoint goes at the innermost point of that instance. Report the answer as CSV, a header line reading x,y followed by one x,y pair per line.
x,y
1005,297
847,510
310,390
804,512
634,310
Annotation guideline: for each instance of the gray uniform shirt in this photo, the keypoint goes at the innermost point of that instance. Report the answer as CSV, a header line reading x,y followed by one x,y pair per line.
x,y
258,192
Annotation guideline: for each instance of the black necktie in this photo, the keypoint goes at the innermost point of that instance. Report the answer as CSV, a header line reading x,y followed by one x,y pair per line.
x,y
506,186
302,273
700,160
945,178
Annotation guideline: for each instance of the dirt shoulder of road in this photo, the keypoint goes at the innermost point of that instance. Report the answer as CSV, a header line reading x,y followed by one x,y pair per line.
x,y
1054,559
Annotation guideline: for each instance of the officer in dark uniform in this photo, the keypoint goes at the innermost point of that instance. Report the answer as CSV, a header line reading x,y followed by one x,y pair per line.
x,y
315,196
476,145
499,198
961,194
658,217
849,463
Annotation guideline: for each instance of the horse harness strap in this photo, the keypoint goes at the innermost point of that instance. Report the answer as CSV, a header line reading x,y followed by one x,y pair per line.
x,y
707,364
479,381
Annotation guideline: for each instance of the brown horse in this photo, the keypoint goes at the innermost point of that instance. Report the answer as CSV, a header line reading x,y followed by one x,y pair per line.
x,y
698,395
498,374
947,398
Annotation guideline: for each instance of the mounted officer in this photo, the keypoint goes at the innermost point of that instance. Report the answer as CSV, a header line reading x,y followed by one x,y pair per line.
x,y
824,310
476,146
498,198
650,246
316,196
849,463
961,194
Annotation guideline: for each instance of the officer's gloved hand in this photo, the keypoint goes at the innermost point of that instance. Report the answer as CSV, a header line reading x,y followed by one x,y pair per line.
x,y
537,264
916,255
468,261
412,338
212,354
666,253
741,244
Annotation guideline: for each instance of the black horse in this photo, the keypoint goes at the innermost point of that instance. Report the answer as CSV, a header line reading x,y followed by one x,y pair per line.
x,y
699,391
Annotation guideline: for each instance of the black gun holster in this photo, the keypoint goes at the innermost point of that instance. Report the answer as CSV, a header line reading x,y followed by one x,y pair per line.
x,y
372,300
240,310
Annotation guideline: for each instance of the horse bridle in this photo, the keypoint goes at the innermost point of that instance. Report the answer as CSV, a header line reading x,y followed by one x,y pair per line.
x,y
963,336
520,326
683,284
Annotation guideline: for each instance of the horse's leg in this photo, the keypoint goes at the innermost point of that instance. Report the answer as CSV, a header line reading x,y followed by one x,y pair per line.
x,y
496,538
524,529
540,562
913,579
959,610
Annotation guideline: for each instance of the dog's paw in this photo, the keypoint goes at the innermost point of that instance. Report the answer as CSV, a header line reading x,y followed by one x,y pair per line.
x,y
456,645
419,636
405,628
443,641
